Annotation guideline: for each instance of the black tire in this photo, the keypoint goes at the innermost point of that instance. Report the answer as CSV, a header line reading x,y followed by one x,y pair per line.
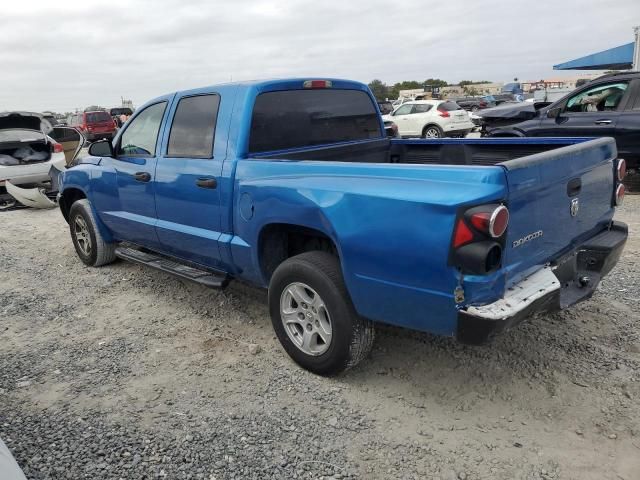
x,y
436,129
99,252
352,336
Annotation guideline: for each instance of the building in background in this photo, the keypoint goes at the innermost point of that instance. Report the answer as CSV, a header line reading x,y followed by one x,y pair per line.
x,y
471,89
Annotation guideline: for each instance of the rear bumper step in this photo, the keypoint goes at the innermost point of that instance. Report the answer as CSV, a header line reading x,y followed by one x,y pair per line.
x,y
569,279
166,264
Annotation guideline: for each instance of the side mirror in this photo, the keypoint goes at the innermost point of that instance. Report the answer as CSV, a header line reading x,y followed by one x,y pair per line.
x,y
391,129
554,112
101,148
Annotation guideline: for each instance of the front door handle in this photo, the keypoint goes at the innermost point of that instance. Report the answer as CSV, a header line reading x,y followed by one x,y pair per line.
x,y
142,176
602,122
207,183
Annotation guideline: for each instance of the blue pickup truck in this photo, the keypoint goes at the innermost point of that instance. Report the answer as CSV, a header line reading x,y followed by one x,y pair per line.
x,y
292,185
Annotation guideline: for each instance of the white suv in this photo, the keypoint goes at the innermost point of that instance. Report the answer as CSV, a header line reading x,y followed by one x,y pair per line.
x,y
431,119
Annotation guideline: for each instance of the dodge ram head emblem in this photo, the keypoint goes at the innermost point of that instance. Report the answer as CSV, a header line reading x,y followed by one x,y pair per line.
x,y
575,206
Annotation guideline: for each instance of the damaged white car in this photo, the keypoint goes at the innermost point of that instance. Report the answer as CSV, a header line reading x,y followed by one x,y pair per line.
x,y
29,149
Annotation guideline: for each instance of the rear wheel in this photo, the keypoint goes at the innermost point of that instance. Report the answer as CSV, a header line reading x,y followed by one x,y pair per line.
x,y
432,131
313,316
90,245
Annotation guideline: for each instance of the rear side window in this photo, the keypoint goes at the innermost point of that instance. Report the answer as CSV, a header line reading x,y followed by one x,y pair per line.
x,y
193,128
97,117
421,108
301,118
448,106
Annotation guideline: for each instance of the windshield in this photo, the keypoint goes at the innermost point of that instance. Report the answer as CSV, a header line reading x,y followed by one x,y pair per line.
x,y
96,117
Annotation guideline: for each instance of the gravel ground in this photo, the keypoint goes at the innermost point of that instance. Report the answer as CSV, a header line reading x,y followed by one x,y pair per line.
x,y
123,372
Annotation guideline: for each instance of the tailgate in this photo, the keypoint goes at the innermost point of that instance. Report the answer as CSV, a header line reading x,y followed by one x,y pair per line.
x,y
556,198
459,116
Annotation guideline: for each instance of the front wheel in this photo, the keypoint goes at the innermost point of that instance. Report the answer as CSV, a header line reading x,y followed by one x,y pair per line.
x,y
432,131
90,246
313,316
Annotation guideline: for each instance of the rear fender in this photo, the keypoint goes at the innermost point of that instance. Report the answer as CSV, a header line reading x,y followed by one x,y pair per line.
x,y
391,226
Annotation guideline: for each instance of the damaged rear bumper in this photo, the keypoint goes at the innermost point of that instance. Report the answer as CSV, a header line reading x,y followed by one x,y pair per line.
x,y
569,279
39,196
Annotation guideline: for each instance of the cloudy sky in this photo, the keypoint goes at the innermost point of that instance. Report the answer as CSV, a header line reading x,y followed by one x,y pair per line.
x,y
69,54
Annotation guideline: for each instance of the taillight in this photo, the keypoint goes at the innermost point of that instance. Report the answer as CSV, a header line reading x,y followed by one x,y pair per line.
x,y
492,222
462,234
57,148
443,113
317,84
620,194
478,239
621,169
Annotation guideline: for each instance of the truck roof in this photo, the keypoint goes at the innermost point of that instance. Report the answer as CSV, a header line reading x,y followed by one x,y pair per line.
x,y
276,84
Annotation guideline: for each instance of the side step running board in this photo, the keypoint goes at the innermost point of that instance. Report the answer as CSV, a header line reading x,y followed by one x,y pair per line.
x,y
159,262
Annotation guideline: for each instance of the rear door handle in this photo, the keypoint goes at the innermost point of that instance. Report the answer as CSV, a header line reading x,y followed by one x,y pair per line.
x,y
142,176
602,122
207,183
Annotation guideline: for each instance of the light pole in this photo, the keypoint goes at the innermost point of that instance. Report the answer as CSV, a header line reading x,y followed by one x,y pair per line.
x,y
636,49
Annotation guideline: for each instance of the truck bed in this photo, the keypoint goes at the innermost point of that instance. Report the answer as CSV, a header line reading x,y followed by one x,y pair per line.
x,y
465,151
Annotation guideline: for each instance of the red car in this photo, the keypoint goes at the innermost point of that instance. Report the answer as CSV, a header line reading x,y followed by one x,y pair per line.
x,y
94,125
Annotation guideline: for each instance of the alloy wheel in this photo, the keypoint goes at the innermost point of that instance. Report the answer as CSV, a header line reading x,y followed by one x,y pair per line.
x,y
305,318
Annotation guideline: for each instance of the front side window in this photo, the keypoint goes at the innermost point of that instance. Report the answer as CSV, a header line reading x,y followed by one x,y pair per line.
x,y
302,118
602,98
403,110
141,136
193,127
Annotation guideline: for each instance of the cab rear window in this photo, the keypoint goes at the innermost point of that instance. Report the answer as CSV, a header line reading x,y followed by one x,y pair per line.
x,y
302,118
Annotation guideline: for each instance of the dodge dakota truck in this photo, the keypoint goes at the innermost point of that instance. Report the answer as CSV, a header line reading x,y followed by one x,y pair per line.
x,y
293,185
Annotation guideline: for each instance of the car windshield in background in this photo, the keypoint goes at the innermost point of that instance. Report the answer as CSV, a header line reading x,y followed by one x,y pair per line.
x,y
121,111
449,106
301,118
97,117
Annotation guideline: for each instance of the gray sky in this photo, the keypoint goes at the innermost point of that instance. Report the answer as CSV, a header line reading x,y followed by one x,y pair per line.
x,y
67,54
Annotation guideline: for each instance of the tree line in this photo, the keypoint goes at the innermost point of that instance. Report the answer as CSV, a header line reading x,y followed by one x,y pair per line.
x,y
383,91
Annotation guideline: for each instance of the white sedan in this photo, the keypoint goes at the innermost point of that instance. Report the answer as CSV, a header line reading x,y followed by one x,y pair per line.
x,y
431,119
27,153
